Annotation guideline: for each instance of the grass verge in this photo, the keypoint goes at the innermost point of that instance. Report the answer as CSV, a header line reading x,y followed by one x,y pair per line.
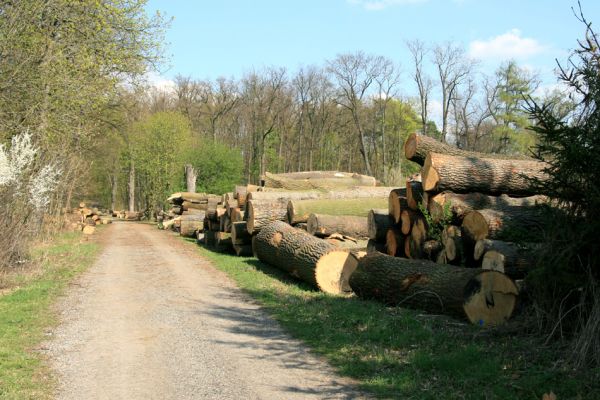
x,y
25,314
400,353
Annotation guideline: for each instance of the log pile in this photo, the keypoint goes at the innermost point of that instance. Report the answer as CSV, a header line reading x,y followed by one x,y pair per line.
x,y
449,237
88,218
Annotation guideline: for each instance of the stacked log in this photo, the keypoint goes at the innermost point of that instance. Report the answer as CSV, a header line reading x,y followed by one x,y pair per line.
x,y
461,201
305,257
482,297
88,218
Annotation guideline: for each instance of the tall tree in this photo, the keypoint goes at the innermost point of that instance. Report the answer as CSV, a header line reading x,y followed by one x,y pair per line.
x,y
453,67
424,82
355,74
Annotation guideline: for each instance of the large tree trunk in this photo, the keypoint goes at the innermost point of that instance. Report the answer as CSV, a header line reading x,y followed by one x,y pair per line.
x,y
262,212
417,147
484,175
460,204
349,225
300,210
131,187
514,262
482,297
306,257
493,224
190,178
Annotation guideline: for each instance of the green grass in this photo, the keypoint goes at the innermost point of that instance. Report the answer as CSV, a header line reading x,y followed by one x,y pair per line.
x,y
25,314
399,353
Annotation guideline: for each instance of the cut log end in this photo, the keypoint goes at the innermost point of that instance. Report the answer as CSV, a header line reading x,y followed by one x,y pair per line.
x,y
429,176
475,226
333,272
490,298
410,147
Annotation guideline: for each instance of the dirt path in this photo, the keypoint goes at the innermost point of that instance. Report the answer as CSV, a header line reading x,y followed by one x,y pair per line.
x,y
154,320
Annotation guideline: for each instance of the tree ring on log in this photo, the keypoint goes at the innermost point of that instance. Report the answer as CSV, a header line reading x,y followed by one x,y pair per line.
x,y
489,298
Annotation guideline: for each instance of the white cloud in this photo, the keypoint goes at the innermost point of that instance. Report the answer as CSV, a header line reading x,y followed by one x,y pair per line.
x,y
160,83
376,5
506,46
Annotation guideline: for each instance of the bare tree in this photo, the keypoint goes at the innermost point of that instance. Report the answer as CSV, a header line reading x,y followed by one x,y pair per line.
x,y
354,74
453,67
387,82
424,82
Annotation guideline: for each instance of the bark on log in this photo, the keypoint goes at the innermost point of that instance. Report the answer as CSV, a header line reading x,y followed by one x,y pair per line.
x,y
262,212
349,225
396,203
493,224
482,297
189,224
485,175
484,245
299,210
306,257
460,204
417,147
180,197
378,222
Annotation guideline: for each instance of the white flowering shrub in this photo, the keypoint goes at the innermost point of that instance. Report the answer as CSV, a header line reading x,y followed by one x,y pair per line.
x,y
26,190
17,170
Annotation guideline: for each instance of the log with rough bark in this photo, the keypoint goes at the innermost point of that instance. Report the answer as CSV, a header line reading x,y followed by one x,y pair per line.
x,y
262,212
180,197
190,224
417,147
482,297
378,223
484,245
459,204
317,180
299,210
485,175
493,224
394,242
414,192
239,233
306,257
349,225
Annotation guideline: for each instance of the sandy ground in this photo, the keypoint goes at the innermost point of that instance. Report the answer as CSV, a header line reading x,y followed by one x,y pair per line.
x,y
152,319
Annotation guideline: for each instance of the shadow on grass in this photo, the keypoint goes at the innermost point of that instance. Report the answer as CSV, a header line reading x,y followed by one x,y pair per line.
x,y
393,352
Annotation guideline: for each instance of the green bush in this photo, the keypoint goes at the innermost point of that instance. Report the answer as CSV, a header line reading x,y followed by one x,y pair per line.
x,y
219,167
565,282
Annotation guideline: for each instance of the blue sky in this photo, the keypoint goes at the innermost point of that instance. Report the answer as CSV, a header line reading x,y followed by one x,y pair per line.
x,y
212,38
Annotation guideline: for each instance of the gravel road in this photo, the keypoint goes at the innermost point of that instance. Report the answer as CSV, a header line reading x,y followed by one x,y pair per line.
x,y
152,319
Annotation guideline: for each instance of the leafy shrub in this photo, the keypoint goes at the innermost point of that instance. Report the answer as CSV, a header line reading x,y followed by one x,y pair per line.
x,y
565,282
219,167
